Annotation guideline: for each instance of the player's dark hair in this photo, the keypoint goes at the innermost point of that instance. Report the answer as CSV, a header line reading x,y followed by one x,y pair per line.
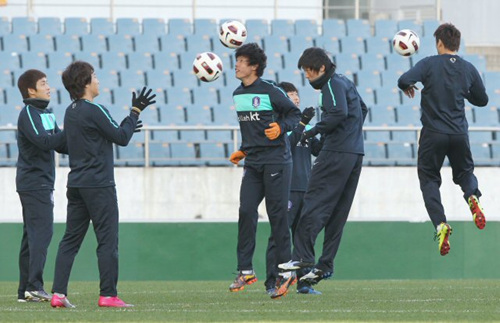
x,y
449,36
28,80
313,58
75,77
255,55
288,87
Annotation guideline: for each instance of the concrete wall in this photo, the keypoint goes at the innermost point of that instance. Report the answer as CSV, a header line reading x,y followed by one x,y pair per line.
x,y
212,194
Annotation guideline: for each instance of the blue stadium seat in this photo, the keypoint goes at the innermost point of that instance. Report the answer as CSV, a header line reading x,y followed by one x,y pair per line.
x,y
166,61
479,61
7,136
198,114
8,154
306,27
377,136
159,153
275,43
151,115
429,27
183,154
147,43
367,94
179,96
205,94
492,81
404,136
225,115
214,154
179,26
102,26
388,96
409,115
372,62
159,78
282,27
185,78
130,155
4,25
54,78
76,26
205,26
334,28
15,43
480,136
395,62
186,60
231,82
24,26
347,62
358,28
378,45
220,135
382,115
89,57
115,60
122,100
299,43
67,43
36,60
412,25
198,43
309,97
401,154
368,78
328,43
487,116
294,76
173,43
94,43
13,99
165,136
6,79
153,27
128,26
195,136
355,45
10,60
481,153
41,43
227,61
291,59
385,28
173,115
59,60
270,74
49,26
274,61
140,60
257,28
132,79
105,96
120,42
375,154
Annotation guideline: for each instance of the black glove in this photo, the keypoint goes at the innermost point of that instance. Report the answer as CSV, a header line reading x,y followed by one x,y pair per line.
x,y
143,100
138,126
307,115
308,134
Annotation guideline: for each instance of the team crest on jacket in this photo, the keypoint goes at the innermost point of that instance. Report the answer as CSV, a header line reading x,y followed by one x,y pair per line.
x,y
255,101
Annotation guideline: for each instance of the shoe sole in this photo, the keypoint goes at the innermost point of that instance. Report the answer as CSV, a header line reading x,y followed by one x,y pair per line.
x,y
249,282
280,293
478,217
298,266
445,247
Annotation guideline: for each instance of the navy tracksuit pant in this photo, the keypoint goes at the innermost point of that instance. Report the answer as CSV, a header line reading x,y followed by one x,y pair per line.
x,y
273,183
433,148
100,206
327,202
38,221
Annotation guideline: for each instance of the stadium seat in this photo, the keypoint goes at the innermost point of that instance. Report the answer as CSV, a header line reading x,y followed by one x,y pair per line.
x,y
274,61
205,95
159,78
173,115
395,62
15,43
368,95
153,27
140,60
159,153
120,42
105,96
486,116
401,154
7,136
173,43
368,78
358,28
372,62
334,28
8,156
409,115
347,62
10,60
480,136
130,155
354,45
128,26
214,154
309,97
36,60
198,114
481,153
179,96
13,99
382,115
495,153
275,44
385,28
185,78
198,43
257,28
404,136
164,136
205,26
294,76
225,115
299,43
4,25
6,79
94,43
375,154
147,43
492,81
291,59
24,26
114,60
55,81
179,26
59,60
282,27
132,79
49,26
67,43
122,100
76,26
89,57
412,25
220,135
166,61
377,135
184,154
102,26
328,43
41,43
186,60
306,27
388,96
479,61
378,45
429,27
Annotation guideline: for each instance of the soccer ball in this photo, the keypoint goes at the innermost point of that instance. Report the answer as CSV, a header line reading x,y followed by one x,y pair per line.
x,y
406,42
207,66
232,34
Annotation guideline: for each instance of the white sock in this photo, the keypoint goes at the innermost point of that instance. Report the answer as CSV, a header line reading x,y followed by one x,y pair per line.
x,y
60,295
247,272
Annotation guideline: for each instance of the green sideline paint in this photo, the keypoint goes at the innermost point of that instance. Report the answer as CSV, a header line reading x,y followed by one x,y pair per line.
x,y
207,251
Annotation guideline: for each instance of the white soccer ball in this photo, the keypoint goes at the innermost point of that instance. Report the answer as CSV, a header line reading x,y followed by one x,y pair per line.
x,y
406,42
232,34
207,66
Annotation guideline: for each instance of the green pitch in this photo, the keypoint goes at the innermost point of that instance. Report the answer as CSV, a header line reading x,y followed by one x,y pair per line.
x,y
210,301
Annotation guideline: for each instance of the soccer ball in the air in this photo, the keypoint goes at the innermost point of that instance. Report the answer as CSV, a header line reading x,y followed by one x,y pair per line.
x,y
207,66
232,34
406,42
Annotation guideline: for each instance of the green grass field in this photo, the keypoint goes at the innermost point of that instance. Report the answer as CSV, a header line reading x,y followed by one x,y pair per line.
x,y
210,301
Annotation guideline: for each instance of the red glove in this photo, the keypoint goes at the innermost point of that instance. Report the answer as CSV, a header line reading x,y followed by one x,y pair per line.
x,y
237,156
274,131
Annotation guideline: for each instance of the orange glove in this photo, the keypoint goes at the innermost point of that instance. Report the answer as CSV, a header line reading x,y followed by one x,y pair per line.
x,y
237,156
273,132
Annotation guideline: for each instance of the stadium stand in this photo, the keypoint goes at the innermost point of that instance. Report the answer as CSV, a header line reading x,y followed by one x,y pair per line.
x,y
153,26
49,26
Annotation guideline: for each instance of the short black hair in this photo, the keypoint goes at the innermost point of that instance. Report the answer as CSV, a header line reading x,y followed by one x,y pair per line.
x,y
28,80
313,58
449,36
75,77
255,55
288,87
